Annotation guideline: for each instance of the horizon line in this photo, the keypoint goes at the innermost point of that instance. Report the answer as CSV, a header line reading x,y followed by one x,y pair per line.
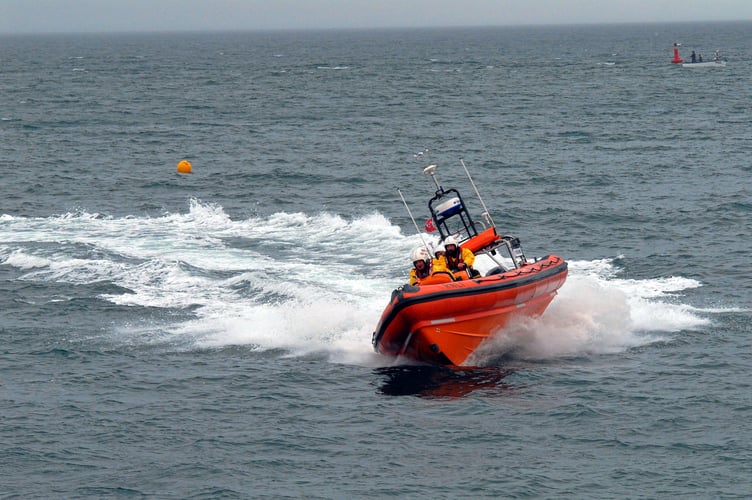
x,y
365,28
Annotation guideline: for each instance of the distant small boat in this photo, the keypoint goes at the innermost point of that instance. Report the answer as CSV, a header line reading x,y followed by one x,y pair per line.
x,y
708,64
717,61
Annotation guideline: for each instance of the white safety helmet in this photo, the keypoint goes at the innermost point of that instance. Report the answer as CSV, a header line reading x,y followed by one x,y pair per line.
x,y
450,240
420,253
439,248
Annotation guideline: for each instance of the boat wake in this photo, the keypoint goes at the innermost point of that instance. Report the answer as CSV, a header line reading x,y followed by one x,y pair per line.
x,y
597,313
299,284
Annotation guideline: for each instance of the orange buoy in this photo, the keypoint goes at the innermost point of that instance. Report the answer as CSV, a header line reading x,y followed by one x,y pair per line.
x,y
184,167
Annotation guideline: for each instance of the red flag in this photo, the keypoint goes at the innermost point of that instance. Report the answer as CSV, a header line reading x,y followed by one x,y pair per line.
x,y
429,225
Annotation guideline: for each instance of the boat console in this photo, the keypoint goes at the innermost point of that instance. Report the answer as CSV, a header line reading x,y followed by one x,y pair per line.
x,y
452,218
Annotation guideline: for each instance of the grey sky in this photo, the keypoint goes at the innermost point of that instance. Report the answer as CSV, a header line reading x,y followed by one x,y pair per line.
x,y
25,16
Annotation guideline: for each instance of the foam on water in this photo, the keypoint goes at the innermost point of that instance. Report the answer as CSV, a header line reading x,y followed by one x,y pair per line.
x,y
21,260
596,312
314,283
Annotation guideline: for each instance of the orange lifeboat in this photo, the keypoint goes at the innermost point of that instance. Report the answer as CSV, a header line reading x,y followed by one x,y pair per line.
x,y
442,321
445,323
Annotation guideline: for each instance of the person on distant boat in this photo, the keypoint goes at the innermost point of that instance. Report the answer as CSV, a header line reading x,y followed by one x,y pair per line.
x,y
459,259
694,57
699,57
717,55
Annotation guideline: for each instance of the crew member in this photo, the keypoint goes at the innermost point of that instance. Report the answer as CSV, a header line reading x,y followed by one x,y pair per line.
x,y
458,258
440,256
421,265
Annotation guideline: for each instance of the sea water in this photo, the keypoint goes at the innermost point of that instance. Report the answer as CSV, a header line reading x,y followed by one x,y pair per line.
x,y
209,335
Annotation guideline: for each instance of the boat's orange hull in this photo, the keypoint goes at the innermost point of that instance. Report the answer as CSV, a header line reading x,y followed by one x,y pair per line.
x,y
445,323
